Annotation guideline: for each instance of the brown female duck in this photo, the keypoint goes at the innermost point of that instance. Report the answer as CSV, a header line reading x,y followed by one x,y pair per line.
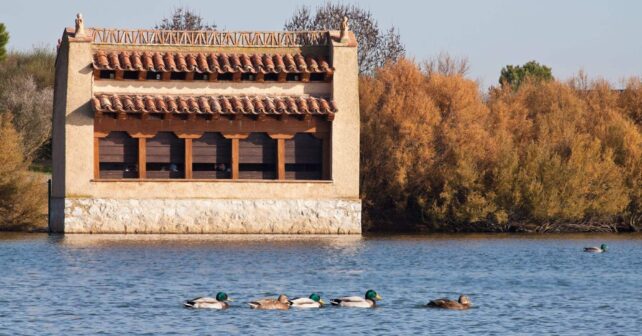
x,y
280,303
445,303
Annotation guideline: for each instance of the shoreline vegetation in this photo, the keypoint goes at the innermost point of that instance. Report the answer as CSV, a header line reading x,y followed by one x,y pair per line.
x,y
438,152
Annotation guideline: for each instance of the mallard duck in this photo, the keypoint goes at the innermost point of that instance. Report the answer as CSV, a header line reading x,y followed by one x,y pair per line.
x,y
595,249
369,301
280,303
445,303
313,301
220,302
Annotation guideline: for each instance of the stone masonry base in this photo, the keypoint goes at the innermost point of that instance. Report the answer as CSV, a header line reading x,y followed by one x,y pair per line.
x,y
90,215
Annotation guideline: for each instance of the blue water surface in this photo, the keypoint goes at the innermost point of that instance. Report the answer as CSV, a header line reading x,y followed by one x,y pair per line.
x,y
131,284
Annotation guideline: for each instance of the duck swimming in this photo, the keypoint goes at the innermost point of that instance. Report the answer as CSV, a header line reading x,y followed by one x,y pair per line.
x,y
445,303
280,303
220,302
313,301
595,249
369,301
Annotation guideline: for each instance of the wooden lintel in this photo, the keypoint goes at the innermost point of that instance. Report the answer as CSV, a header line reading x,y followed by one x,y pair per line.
x,y
185,135
101,134
235,135
284,136
139,135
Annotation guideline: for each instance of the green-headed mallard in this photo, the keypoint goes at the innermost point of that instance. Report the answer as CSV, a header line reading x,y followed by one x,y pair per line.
x,y
313,301
280,303
220,302
445,303
595,249
369,301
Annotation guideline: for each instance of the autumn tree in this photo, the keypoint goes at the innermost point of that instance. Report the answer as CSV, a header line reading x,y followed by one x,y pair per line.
x,y
22,198
31,108
397,124
515,75
184,18
4,39
376,46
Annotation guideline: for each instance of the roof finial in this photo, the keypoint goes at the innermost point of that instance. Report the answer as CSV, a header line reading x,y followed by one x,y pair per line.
x,y
343,37
80,26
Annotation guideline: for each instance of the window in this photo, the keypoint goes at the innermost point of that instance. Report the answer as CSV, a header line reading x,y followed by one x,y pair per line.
x,y
211,157
165,156
317,77
118,156
303,157
107,74
152,75
257,157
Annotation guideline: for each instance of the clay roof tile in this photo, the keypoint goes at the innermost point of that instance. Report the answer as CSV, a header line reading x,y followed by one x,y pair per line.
x,y
150,104
278,62
101,61
300,63
113,60
170,63
137,63
159,63
224,62
288,61
181,62
201,63
215,66
139,104
125,62
148,61
204,105
268,63
215,105
246,63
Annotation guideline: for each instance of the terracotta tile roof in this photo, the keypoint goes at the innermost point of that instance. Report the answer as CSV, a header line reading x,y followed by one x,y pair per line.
x,y
221,105
209,62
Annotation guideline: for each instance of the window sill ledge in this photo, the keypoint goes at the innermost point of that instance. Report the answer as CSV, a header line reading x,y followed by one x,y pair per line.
x,y
213,180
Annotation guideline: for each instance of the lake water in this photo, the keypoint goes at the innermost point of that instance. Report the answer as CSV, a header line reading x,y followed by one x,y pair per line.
x,y
104,284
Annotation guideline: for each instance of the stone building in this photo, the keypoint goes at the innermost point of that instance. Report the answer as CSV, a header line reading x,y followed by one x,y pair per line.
x,y
205,132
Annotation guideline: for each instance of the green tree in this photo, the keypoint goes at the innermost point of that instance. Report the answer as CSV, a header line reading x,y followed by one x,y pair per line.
x,y
4,39
184,18
515,75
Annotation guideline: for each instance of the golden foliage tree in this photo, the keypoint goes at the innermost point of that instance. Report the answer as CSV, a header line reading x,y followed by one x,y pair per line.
x,y
542,156
21,196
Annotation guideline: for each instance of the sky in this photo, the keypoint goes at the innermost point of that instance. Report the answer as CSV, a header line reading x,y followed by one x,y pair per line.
x,y
600,37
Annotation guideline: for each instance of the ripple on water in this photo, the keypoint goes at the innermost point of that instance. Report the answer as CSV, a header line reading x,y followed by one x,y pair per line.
x,y
109,284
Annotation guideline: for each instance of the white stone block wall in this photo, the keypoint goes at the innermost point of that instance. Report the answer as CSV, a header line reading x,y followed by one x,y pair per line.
x,y
318,216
